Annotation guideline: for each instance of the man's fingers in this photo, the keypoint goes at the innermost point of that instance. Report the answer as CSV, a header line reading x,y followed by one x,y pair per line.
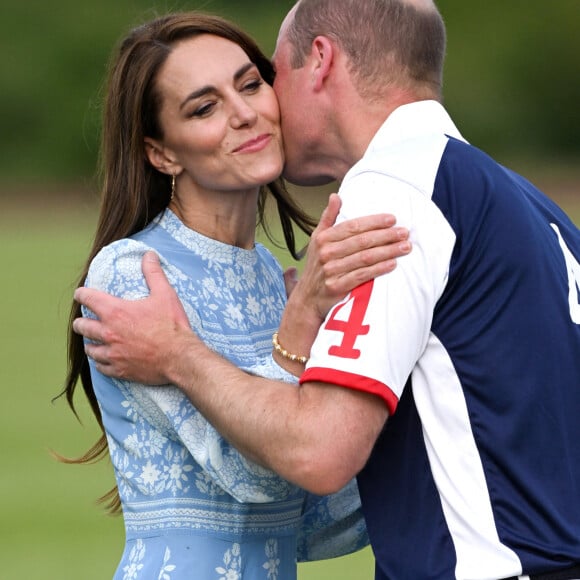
x,y
89,328
99,353
104,367
96,352
95,300
160,289
153,272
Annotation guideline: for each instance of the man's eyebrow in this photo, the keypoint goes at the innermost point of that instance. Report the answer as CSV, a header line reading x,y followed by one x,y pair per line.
x,y
210,88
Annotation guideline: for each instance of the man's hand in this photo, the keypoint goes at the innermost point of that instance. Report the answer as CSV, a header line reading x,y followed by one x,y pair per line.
x,y
137,340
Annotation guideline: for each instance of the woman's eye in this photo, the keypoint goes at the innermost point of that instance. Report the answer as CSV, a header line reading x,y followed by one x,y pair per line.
x,y
253,86
202,110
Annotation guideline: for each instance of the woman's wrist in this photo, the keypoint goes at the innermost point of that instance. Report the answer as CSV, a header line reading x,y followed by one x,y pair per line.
x,y
298,329
279,349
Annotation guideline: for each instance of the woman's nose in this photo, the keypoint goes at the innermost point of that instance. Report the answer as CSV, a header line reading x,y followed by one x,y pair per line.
x,y
242,114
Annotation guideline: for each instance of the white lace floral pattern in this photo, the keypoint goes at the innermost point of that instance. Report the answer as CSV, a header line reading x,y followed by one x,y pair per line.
x,y
272,565
165,572
135,565
232,564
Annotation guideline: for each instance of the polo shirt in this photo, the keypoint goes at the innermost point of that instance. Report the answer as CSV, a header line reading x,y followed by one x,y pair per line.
x,y
473,342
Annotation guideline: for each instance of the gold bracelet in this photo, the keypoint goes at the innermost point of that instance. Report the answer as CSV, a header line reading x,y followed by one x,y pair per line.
x,y
283,352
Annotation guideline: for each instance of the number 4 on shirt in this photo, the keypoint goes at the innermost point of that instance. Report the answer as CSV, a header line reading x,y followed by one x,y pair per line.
x,y
573,268
353,327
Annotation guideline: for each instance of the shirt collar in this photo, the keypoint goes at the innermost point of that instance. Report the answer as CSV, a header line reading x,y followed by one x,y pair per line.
x,y
413,120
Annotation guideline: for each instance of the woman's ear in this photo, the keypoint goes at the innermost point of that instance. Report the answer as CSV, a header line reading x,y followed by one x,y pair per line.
x,y
160,157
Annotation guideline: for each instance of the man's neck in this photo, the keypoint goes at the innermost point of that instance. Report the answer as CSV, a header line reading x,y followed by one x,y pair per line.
x,y
358,126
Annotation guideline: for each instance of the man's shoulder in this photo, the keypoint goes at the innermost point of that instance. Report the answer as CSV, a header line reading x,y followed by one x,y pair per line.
x,y
410,163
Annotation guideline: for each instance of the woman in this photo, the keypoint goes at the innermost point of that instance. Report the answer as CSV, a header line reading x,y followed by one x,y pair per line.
x,y
191,135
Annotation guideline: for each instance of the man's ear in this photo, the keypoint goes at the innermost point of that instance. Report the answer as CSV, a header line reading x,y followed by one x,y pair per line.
x,y
161,158
323,56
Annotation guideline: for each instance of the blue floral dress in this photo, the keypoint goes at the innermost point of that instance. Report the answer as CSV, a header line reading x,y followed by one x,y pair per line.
x,y
194,508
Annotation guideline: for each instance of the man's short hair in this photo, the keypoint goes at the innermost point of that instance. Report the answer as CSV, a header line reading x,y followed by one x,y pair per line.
x,y
387,42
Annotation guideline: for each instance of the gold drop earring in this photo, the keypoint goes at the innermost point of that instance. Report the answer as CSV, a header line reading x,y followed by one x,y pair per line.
x,y
172,187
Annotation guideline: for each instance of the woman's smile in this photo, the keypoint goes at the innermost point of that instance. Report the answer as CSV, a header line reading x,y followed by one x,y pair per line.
x,y
254,145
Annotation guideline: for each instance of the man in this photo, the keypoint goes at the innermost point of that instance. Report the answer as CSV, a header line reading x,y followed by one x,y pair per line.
x,y
469,351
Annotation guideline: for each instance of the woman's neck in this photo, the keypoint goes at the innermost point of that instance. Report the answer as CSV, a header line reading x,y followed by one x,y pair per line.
x,y
228,217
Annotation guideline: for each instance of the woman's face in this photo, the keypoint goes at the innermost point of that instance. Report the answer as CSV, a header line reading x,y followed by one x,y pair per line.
x,y
220,120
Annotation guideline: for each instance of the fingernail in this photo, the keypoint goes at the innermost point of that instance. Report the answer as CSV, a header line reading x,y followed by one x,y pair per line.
x,y
402,232
405,247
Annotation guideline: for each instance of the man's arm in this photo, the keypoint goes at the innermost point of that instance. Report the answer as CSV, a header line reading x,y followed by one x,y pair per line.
x,y
318,436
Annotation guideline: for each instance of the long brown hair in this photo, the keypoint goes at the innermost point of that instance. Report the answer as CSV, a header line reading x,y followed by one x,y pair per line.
x,y
133,192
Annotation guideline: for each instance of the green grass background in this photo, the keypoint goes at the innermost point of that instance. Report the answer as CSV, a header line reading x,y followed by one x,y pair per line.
x,y
50,527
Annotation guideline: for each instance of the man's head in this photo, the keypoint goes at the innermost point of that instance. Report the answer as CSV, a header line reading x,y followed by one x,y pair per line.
x,y
387,47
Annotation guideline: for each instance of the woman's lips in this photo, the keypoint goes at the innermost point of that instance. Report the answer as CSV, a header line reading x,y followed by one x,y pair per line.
x,y
254,145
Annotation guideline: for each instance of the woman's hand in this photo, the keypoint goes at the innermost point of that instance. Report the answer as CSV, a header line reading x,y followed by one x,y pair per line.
x,y
344,256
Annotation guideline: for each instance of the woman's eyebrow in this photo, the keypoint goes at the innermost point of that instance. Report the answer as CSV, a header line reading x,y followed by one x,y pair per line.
x,y
210,88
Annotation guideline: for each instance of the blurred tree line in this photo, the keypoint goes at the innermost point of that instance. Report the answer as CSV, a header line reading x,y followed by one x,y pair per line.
x,y
512,77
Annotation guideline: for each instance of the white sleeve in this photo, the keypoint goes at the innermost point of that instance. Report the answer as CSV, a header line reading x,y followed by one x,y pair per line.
x,y
373,338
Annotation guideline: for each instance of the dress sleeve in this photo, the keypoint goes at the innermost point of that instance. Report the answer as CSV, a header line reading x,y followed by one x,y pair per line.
x,y
117,270
332,525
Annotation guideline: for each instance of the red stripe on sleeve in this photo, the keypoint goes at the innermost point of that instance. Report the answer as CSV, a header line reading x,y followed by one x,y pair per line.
x,y
351,381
